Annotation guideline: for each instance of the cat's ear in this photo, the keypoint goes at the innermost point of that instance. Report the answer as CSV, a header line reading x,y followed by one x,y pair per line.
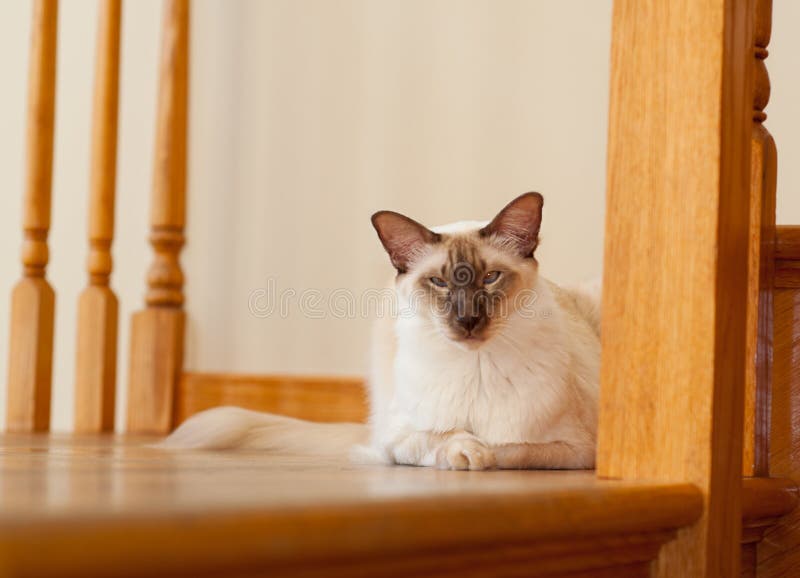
x,y
517,225
403,238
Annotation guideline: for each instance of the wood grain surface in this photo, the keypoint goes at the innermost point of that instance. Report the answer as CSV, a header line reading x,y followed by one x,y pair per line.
x,y
761,262
157,332
675,286
96,363
314,398
779,552
105,506
30,355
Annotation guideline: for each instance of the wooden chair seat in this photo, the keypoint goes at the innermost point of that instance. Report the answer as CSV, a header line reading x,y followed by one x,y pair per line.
x,y
147,512
150,512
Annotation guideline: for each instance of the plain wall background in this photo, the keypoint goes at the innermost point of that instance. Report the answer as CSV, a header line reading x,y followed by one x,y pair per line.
x,y
306,117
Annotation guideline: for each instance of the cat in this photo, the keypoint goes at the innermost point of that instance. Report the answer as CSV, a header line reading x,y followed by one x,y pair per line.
x,y
489,366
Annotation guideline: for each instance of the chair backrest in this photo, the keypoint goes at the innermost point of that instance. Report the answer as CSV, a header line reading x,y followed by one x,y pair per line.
x,y
687,320
157,332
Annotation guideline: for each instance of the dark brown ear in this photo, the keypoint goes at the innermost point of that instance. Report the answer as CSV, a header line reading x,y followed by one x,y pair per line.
x,y
403,238
517,225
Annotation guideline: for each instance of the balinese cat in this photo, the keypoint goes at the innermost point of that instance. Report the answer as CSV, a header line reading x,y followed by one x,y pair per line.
x,y
489,365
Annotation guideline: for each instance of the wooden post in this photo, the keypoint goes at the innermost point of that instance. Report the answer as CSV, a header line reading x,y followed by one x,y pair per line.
x,y
157,331
33,300
96,366
758,383
675,283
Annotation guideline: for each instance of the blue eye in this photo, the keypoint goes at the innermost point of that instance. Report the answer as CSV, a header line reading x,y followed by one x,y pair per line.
x,y
491,277
438,281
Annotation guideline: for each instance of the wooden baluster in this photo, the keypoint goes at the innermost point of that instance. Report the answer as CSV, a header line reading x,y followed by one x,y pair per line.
x,y
675,285
96,365
33,300
763,167
157,331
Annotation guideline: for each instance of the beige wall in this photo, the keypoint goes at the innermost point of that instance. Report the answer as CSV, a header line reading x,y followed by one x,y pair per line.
x,y
333,110
307,116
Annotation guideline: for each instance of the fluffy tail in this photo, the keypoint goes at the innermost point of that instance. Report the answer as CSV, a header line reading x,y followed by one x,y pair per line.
x,y
238,428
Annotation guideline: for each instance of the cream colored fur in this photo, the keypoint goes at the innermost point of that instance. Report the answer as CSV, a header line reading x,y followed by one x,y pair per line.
x,y
526,398
224,428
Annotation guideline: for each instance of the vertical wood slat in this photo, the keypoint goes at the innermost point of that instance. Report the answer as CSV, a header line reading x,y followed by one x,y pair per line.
x,y
96,364
779,551
33,299
675,286
157,331
758,380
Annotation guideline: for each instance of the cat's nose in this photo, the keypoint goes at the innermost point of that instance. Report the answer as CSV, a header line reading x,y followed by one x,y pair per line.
x,y
468,322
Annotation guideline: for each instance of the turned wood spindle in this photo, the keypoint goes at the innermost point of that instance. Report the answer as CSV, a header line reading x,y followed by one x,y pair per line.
x,y
33,300
96,365
763,162
157,331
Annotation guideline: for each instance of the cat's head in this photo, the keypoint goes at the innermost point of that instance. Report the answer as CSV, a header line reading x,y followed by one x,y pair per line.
x,y
467,278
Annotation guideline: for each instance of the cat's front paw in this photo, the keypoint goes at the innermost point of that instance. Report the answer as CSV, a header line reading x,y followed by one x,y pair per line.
x,y
464,452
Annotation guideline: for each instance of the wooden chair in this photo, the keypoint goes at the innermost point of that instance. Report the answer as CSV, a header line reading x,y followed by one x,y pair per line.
x,y
699,423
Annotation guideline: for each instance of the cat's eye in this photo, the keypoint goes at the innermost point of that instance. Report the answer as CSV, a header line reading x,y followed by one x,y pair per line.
x,y
438,281
491,277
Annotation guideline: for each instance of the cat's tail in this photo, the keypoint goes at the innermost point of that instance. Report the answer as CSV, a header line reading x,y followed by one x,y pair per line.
x,y
237,428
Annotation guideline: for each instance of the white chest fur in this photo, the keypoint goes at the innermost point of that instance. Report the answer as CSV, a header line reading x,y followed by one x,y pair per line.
x,y
516,388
